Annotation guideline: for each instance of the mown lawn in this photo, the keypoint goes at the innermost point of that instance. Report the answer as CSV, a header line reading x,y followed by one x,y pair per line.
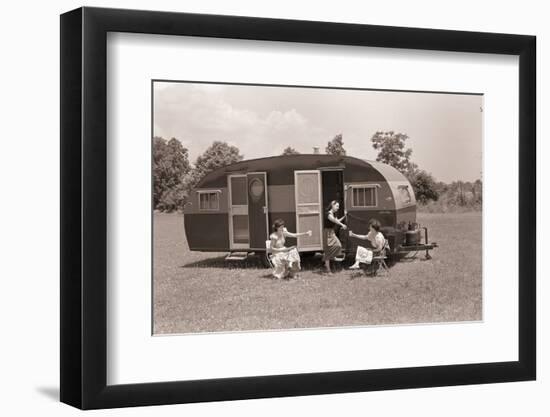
x,y
200,292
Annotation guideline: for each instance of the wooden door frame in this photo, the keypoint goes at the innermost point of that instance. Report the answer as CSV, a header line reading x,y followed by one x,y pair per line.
x,y
321,209
232,244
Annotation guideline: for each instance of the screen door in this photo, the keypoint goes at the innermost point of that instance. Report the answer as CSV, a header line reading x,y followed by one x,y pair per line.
x,y
309,210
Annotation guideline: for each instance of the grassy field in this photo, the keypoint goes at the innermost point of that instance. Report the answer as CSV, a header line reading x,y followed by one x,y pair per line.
x,y
200,292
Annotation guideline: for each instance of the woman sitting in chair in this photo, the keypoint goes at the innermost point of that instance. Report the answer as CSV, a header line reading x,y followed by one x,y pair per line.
x,y
286,261
377,240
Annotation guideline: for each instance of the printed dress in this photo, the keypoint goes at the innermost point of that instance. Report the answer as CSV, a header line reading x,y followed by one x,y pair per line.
x,y
284,263
364,255
332,247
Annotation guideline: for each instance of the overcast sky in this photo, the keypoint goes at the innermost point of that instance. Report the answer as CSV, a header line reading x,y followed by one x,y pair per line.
x,y
445,130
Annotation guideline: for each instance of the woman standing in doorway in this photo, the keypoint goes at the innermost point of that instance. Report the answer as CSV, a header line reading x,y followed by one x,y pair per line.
x,y
332,247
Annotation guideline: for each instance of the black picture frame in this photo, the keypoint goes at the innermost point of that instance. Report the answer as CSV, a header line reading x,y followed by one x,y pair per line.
x,y
84,207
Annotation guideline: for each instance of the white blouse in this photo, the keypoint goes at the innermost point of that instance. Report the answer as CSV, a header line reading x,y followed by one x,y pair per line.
x,y
377,239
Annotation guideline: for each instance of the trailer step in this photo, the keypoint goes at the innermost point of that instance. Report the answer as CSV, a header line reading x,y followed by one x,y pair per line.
x,y
238,256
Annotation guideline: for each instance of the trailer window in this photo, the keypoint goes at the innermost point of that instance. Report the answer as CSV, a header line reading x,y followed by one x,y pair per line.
x,y
209,200
364,196
405,194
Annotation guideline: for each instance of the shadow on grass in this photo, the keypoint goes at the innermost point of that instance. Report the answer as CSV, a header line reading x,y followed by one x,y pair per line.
x,y
252,262
313,264
308,263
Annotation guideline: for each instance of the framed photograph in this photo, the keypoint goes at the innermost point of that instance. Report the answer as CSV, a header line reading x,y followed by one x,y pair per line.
x,y
257,208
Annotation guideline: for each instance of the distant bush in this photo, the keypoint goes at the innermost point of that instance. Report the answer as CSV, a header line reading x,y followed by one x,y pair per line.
x,y
442,207
289,150
424,185
457,197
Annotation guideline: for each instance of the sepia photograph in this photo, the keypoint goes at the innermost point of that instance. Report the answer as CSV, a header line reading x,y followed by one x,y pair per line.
x,y
300,207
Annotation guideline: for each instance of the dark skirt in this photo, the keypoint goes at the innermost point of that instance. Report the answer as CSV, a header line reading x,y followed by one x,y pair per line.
x,y
331,245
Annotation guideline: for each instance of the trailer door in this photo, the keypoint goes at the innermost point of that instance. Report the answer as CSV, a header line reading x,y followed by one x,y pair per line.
x,y
257,210
309,210
238,212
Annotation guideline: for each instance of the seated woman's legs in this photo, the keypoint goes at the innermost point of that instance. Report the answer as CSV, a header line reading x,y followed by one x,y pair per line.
x,y
280,266
362,255
294,262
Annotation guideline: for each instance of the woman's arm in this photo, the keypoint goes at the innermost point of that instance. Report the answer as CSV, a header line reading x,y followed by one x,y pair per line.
x,y
337,221
289,234
344,216
362,237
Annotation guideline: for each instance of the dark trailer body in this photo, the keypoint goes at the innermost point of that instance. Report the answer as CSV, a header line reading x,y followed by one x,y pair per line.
x,y
232,208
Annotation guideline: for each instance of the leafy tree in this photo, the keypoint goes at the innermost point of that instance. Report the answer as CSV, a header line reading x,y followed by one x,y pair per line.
x,y
466,193
424,185
218,155
173,198
289,150
477,190
441,187
336,146
159,171
391,150
170,166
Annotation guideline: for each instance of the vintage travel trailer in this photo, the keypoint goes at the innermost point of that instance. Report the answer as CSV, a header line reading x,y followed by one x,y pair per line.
x,y
232,208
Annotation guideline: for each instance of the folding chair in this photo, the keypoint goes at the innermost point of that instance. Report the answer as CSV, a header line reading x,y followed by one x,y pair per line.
x,y
379,259
268,253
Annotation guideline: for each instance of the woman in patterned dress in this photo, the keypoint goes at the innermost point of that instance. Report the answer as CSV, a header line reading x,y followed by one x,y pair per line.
x,y
332,248
285,260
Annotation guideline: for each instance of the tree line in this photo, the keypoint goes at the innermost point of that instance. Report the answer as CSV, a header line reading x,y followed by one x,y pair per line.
x,y
174,176
435,195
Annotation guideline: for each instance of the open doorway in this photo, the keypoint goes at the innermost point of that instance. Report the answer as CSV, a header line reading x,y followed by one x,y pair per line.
x,y
333,189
